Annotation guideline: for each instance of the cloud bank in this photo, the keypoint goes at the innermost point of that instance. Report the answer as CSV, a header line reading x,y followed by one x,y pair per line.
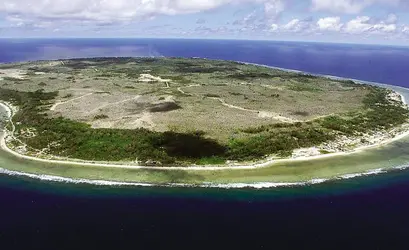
x,y
265,17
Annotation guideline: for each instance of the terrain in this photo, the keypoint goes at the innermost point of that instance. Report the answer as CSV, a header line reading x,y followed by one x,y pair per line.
x,y
174,111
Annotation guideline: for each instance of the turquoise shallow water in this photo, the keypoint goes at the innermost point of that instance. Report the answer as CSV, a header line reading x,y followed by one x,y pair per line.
x,y
330,188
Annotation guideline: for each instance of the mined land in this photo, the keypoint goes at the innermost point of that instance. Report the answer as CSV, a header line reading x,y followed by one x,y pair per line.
x,y
173,111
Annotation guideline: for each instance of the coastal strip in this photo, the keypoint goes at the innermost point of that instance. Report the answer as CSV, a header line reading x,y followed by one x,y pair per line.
x,y
256,185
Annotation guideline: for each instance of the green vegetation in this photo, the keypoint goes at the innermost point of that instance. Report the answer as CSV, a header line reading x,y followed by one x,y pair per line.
x,y
79,140
249,75
211,161
301,113
7,78
164,107
99,117
284,138
226,136
324,152
381,114
178,78
185,67
280,139
212,95
304,87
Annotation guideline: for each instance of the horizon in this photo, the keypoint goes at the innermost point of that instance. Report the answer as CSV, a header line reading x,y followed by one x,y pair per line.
x,y
211,39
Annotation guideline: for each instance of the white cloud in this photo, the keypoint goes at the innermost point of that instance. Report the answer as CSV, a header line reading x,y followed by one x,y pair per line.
x,y
297,25
200,21
365,24
392,18
344,6
384,28
329,24
55,14
273,9
353,6
274,27
358,25
120,10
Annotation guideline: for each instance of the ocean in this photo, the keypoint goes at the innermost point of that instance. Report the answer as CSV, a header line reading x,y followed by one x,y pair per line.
x,y
367,212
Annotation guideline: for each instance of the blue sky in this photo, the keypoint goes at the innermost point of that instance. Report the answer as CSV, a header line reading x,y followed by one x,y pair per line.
x,y
352,21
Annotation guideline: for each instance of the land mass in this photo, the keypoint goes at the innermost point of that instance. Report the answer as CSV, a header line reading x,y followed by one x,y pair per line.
x,y
173,112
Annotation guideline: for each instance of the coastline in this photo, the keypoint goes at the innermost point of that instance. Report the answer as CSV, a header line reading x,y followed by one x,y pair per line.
x,y
10,110
367,160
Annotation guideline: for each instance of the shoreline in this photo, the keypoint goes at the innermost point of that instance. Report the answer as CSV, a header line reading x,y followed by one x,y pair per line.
x,y
234,185
239,166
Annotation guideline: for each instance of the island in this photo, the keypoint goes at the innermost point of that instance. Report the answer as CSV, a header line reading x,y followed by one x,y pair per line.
x,y
188,113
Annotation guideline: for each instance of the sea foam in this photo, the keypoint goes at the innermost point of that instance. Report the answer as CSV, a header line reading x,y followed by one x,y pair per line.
x,y
259,185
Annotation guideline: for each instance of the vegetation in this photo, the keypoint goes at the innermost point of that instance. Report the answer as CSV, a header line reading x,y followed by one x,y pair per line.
x,y
198,67
381,114
79,140
164,107
283,138
99,117
304,87
266,90
16,80
212,95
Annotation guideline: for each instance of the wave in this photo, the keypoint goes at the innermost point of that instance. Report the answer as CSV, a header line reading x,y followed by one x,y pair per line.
x,y
371,172
401,167
53,178
259,185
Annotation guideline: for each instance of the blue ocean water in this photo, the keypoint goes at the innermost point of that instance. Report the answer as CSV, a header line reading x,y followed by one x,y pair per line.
x,y
384,64
362,213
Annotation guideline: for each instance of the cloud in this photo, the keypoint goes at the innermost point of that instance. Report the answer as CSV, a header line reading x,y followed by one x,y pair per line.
x,y
203,30
273,9
359,25
274,27
54,14
200,21
329,24
249,19
263,16
392,18
366,24
353,6
103,10
297,25
270,13
119,10
343,6
18,22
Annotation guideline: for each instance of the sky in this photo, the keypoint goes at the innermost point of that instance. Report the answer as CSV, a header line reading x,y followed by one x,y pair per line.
x,y
341,21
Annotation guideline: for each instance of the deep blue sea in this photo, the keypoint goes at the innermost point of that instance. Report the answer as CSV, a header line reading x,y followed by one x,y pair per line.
x,y
362,213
